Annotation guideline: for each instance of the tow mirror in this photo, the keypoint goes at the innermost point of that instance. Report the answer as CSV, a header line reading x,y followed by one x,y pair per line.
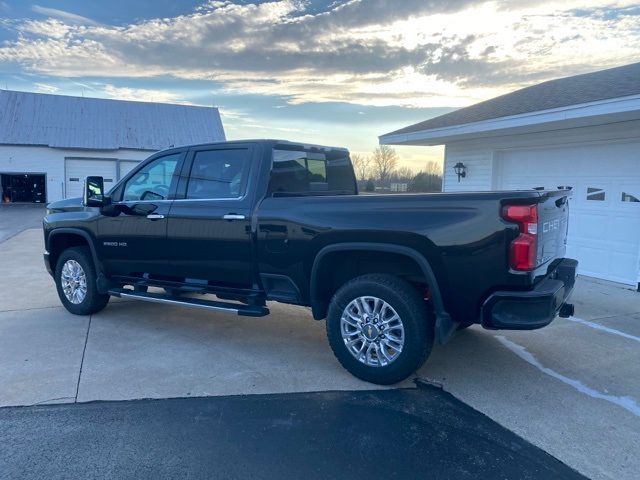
x,y
94,192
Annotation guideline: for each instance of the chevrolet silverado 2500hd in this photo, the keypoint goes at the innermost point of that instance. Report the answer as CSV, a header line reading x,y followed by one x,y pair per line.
x,y
254,221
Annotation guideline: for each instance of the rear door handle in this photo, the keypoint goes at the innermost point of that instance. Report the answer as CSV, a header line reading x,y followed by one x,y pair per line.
x,y
155,216
233,216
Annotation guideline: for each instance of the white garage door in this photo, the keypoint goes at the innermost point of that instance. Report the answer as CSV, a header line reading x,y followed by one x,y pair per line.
x,y
604,222
126,166
77,170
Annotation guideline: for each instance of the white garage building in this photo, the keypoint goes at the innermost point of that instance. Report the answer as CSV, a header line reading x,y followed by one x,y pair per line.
x,y
581,131
49,143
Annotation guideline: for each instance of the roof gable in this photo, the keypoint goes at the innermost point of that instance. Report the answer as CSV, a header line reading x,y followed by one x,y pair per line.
x,y
93,123
580,89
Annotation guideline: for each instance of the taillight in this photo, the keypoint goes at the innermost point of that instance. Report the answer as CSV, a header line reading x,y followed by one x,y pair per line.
x,y
524,249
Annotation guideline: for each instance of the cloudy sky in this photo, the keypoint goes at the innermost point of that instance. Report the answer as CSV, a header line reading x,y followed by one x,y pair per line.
x,y
337,72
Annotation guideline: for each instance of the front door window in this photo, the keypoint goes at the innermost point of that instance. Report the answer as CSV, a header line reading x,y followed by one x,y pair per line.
x,y
153,181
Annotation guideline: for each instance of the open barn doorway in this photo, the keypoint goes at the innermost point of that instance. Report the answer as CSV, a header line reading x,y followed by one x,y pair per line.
x,y
23,188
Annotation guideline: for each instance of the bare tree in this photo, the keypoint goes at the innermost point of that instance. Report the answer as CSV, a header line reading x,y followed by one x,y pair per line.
x,y
403,174
384,160
429,179
361,165
433,168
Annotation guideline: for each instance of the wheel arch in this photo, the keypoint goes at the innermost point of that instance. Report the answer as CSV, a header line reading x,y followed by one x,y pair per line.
x,y
319,301
61,239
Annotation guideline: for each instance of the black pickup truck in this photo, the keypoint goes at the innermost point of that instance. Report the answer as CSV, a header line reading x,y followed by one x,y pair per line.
x,y
270,220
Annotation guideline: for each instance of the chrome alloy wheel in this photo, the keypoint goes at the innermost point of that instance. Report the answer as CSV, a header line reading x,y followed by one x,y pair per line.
x,y
372,331
74,282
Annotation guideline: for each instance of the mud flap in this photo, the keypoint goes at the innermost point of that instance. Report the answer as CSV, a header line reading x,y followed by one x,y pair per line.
x,y
103,284
445,327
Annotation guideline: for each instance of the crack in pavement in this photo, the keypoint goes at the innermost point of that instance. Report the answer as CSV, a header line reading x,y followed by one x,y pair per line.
x,y
55,306
29,309
84,350
49,400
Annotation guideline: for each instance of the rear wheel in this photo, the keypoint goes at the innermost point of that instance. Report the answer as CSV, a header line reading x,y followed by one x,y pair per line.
x,y
75,279
379,328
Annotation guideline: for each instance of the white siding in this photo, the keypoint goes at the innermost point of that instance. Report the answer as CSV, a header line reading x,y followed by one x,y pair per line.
x,y
479,155
50,161
479,163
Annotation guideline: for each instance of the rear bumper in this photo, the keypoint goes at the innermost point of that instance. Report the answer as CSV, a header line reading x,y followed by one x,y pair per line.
x,y
528,310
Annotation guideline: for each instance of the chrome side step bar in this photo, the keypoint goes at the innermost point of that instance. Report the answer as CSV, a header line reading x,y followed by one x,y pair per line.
x,y
244,310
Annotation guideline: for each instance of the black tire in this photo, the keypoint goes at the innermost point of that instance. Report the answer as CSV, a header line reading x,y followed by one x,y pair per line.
x,y
464,326
416,319
93,301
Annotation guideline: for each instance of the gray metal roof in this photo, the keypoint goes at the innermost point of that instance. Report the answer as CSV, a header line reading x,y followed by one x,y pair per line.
x,y
590,87
101,124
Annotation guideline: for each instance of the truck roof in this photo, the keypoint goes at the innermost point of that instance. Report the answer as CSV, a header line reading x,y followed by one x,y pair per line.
x,y
271,141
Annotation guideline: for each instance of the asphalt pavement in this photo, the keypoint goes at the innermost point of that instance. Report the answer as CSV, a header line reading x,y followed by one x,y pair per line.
x,y
404,433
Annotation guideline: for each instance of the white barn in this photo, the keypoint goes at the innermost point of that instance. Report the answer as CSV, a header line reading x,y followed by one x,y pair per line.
x,y
49,143
581,131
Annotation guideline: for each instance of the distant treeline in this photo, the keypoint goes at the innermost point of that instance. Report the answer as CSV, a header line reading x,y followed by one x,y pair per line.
x,y
380,172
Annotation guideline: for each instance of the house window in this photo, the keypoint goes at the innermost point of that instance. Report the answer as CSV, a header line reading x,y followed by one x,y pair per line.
x,y
627,197
595,193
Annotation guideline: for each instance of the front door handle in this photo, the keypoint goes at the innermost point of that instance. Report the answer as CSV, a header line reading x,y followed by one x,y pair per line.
x,y
233,216
155,216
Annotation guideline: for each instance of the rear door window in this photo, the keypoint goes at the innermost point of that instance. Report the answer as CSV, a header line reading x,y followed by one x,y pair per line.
x,y
300,172
218,174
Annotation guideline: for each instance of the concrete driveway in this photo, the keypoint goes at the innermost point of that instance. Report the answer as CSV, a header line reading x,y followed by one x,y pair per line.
x,y
572,389
16,217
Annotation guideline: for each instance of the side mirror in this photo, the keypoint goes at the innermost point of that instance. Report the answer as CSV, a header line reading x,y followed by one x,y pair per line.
x,y
94,192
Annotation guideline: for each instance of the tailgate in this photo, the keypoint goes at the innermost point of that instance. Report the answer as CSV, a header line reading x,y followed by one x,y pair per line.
x,y
553,224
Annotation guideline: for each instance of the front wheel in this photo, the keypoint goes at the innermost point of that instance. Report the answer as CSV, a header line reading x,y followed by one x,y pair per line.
x,y
76,282
379,328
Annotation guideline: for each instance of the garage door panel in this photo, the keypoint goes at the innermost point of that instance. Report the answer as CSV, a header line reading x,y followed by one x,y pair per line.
x,y
604,222
126,166
592,258
623,226
628,261
629,197
626,227
76,170
591,226
606,262
594,194
587,226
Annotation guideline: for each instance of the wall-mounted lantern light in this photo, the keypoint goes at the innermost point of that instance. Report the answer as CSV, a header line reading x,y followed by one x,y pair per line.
x,y
461,170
